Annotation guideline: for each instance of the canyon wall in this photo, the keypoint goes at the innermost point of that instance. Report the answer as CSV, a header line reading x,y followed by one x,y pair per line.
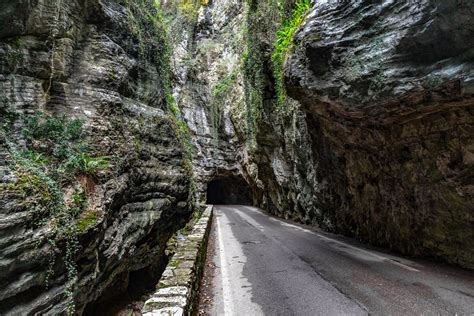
x,y
376,141
82,85
388,90
206,62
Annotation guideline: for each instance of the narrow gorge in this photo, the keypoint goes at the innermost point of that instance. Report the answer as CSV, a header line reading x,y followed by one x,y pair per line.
x,y
121,119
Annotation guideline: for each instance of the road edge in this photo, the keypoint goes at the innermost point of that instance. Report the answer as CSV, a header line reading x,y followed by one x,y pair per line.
x,y
177,291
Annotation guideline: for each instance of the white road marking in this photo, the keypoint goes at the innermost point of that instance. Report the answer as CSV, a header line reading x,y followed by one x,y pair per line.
x,y
232,259
401,265
325,299
379,257
227,299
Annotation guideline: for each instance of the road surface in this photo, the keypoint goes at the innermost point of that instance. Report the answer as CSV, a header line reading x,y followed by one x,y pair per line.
x,y
267,266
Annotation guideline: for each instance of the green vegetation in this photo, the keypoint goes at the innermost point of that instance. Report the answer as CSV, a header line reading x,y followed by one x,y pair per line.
x,y
189,9
146,24
261,16
54,129
181,17
56,141
55,156
148,30
273,21
283,44
220,94
152,26
90,219
253,85
88,165
174,263
223,86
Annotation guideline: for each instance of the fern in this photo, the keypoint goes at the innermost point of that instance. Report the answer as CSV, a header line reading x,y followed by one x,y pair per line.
x,y
86,164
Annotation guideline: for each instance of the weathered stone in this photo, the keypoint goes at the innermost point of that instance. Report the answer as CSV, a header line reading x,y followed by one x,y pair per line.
x,y
387,91
167,282
167,311
81,59
170,291
188,264
186,274
161,301
214,47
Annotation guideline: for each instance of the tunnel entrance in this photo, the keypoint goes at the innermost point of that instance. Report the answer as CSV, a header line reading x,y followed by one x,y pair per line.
x,y
229,190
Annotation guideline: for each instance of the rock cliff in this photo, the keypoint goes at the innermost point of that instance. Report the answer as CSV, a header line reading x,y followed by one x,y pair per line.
x,y
388,90
375,137
82,91
209,88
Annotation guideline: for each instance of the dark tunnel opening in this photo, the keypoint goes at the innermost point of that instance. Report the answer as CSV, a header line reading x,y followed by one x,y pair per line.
x,y
229,190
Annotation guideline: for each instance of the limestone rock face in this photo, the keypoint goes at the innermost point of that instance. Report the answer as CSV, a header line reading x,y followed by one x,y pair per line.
x,y
81,59
277,162
209,88
388,92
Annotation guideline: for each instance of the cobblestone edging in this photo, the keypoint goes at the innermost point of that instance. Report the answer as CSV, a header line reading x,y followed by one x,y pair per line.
x,y
176,292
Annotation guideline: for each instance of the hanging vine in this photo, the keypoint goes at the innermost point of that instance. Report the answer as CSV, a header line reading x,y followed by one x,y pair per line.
x,y
53,35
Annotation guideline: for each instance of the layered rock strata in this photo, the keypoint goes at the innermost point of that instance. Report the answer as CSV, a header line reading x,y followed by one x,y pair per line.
x,y
388,92
84,60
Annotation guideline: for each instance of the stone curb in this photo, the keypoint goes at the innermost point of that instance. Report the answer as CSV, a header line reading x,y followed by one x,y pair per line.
x,y
176,292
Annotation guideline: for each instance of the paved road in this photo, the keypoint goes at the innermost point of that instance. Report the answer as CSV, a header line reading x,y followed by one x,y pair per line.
x,y
266,266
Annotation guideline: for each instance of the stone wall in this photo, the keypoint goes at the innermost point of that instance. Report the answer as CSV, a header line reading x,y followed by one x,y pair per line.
x,y
177,292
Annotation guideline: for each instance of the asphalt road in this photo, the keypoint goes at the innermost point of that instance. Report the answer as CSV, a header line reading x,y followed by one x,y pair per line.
x,y
267,266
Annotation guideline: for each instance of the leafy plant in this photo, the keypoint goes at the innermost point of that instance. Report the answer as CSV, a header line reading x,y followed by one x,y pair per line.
x,y
54,129
89,165
35,157
283,44
55,155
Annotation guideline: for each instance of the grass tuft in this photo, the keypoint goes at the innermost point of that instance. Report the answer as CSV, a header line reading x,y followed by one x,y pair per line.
x,y
283,44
